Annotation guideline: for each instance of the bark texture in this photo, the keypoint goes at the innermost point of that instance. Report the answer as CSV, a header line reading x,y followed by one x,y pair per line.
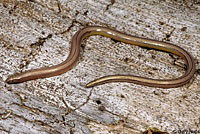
x,y
37,33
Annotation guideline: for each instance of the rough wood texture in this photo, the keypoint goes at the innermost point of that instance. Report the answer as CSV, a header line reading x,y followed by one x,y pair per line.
x,y
37,33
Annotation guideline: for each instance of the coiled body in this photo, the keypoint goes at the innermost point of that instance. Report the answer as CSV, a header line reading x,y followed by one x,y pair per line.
x,y
96,30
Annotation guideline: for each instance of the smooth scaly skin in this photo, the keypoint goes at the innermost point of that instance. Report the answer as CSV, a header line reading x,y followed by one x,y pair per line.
x,y
96,30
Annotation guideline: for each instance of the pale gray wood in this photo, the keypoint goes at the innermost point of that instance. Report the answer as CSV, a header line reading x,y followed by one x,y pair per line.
x,y
37,33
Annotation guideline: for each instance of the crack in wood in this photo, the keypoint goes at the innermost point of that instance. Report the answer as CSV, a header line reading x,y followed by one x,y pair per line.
x,y
111,3
34,51
73,110
59,6
175,62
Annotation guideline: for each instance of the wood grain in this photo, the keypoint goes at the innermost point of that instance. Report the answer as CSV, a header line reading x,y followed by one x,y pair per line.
x,y
37,33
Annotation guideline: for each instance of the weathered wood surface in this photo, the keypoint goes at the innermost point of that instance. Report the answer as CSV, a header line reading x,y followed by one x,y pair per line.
x,y
37,33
